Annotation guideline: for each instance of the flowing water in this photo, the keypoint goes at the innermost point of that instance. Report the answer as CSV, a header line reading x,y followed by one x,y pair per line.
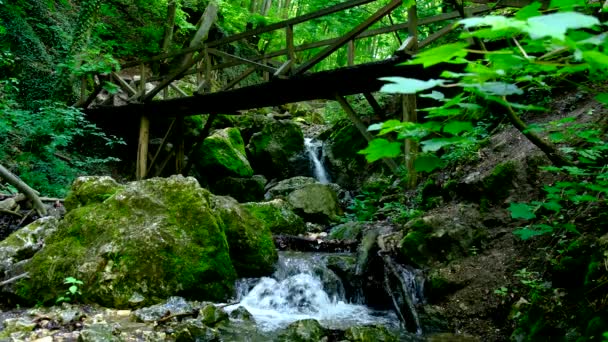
x,y
314,148
301,288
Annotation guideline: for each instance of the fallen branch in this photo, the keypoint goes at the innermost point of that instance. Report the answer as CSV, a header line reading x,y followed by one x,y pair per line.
x,y
23,188
15,278
6,211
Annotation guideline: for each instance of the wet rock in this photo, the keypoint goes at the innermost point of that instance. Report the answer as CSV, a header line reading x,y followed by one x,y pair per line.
x,y
316,203
242,314
272,149
173,306
444,234
343,159
369,334
192,330
241,189
345,266
211,315
97,332
17,328
249,232
278,215
223,153
154,238
347,231
308,330
287,186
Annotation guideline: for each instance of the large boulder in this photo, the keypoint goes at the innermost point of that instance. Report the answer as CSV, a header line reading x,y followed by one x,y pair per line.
x,y
223,154
150,240
273,149
346,166
90,189
316,203
278,216
241,189
249,237
287,186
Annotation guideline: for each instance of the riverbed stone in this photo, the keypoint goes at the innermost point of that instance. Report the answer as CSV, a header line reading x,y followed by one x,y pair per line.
x,y
211,315
316,203
369,334
278,215
271,151
307,330
223,154
287,186
153,239
348,231
172,306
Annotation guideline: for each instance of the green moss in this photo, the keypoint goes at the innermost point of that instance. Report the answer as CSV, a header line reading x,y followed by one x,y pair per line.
x,y
413,245
86,190
155,238
278,216
369,334
272,148
497,185
223,153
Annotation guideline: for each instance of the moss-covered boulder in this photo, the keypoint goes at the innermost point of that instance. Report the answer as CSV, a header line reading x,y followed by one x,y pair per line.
x,y
316,203
345,164
372,333
287,186
307,330
272,150
241,189
348,231
150,240
90,189
249,237
223,154
278,216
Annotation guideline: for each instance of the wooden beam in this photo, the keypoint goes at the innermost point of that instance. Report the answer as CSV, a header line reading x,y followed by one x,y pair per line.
x,y
161,147
436,35
350,35
203,28
283,68
257,65
124,85
142,148
179,148
374,104
291,52
176,74
177,89
412,26
297,20
351,52
238,79
354,118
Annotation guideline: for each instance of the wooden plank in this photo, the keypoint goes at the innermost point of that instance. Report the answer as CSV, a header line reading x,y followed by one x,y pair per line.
x,y
204,25
238,79
124,85
354,118
350,35
291,53
374,104
297,20
283,69
177,89
163,143
436,35
412,26
142,148
351,52
257,65
142,80
176,74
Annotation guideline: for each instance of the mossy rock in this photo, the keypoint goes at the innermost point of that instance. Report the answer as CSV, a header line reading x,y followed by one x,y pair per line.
x,y
307,330
90,189
343,159
223,153
241,189
316,203
278,216
249,236
347,231
287,186
151,240
272,149
369,334
498,184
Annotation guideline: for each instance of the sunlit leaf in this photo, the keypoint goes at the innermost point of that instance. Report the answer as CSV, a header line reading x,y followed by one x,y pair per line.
x,y
556,25
566,5
532,10
453,53
435,95
527,233
456,127
402,85
497,88
381,148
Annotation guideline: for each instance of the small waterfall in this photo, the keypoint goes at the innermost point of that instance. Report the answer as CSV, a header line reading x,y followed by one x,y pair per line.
x,y
405,286
314,149
301,288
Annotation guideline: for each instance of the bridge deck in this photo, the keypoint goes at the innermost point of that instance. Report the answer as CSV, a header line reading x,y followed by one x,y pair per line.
x,y
321,85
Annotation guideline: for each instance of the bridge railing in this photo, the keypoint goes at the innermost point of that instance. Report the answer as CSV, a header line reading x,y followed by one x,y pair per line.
x,y
147,86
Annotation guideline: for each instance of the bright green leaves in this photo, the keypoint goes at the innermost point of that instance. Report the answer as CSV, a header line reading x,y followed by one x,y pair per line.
x,y
456,127
522,211
447,53
402,85
381,148
602,97
566,5
428,163
556,25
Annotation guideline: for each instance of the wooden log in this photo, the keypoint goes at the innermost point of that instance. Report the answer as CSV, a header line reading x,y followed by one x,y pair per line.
x,y
179,148
175,75
348,36
124,85
283,69
142,148
25,189
204,25
351,52
257,65
291,52
177,89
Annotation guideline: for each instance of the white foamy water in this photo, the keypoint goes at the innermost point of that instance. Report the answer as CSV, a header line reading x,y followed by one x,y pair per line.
x,y
315,154
304,288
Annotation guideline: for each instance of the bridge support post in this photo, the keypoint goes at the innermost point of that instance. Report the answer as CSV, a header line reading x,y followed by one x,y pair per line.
x,y
142,148
179,151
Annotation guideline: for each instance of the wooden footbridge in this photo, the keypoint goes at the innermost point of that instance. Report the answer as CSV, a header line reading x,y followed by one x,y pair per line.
x,y
285,78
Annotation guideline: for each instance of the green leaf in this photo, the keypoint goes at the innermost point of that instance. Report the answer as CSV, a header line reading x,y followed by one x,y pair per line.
x,y
496,22
556,25
521,211
602,97
527,233
427,163
453,53
497,88
553,206
455,127
381,148
402,85
532,10
73,289
433,145
566,5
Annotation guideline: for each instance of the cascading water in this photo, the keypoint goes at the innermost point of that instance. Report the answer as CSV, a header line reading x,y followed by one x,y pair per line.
x,y
301,288
314,149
